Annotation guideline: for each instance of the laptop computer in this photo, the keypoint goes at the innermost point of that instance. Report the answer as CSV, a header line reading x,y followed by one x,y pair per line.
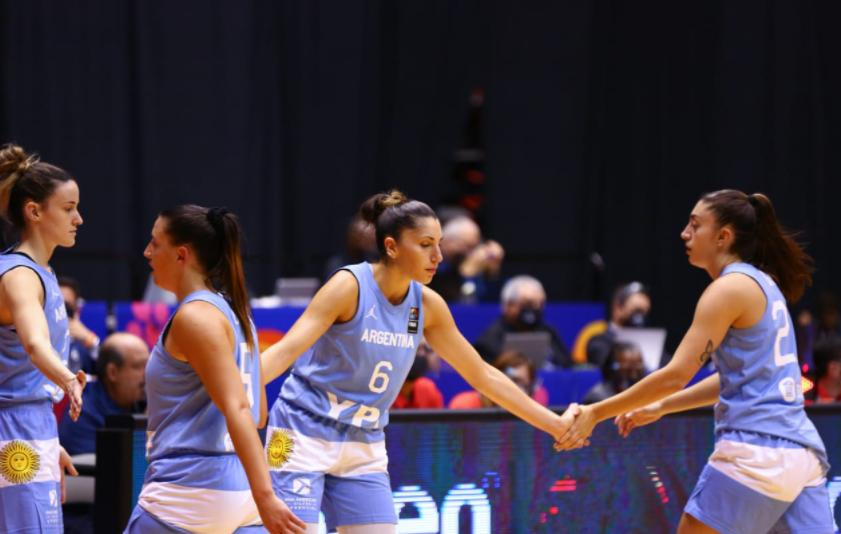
x,y
649,340
534,346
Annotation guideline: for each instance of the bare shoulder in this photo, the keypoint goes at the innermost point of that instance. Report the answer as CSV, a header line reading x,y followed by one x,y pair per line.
x,y
735,286
199,320
21,283
341,285
434,306
736,296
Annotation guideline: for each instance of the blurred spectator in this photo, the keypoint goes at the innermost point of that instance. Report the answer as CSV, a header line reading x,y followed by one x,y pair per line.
x,y
360,245
83,342
523,300
470,268
813,330
516,367
827,388
419,391
629,307
622,368
119,389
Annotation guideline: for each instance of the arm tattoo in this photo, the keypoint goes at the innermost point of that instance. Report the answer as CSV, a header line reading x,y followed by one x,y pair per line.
x,y
708,351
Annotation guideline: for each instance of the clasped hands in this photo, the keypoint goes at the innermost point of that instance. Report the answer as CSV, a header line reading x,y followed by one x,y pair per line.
x,y
575,426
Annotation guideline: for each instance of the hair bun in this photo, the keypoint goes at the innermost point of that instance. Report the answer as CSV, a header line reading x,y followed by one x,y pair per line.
x,y
372,208
14,160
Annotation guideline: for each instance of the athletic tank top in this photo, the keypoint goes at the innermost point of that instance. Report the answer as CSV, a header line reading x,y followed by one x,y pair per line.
x,y
182,417
20,380
760,377
353,373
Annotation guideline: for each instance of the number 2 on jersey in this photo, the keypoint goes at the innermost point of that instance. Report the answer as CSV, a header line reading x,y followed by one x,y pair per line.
x,y
779,310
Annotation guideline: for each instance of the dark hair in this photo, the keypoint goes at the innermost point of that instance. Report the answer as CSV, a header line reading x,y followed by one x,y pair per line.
x,y
512,358
825,351
72,283
624,292
391,213
23,177
107,354
610,363
760,240
215,235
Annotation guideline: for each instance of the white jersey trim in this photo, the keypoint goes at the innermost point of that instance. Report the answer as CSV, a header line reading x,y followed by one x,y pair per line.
x,y
778,473
341,459
202,510
19,457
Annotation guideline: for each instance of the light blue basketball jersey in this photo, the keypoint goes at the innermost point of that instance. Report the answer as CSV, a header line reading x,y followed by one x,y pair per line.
x,y
760,377
182,418
20,380
355,370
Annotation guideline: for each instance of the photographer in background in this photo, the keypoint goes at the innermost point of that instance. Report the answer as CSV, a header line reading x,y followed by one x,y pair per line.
x,y
470,270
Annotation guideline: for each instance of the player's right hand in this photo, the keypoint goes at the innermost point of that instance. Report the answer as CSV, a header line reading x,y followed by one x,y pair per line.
x,y
643,416
278,518
73,389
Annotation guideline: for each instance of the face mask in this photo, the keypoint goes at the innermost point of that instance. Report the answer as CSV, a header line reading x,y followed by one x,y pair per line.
x,y
530,317
636,319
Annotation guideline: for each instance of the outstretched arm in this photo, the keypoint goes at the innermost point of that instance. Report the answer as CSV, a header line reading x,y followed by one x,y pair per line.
x,y
443,336
202,335
704,393
724,301
334,302
23,295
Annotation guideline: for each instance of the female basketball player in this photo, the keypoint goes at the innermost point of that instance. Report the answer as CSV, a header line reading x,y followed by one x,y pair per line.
x,y
41,202
325,441
768,467
203,387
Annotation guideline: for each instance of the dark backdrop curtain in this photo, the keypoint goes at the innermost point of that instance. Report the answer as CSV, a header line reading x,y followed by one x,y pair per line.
x,y
603,122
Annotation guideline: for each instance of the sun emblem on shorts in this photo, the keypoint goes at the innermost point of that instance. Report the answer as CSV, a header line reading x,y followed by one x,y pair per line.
x,y
279,448
19,462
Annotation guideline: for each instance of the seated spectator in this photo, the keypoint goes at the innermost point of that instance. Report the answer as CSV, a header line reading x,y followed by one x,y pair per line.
x,y
418,391
523,301
629,307
470,270
827,354
83,342
516,367
622,369
119,389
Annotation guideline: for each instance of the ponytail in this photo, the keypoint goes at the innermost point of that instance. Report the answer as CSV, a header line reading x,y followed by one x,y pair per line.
x,y
777,252
215,236
761,241
229,270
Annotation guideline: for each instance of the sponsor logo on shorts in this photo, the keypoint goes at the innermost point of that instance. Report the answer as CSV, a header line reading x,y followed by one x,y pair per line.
x,y
279,447
19,462
302,486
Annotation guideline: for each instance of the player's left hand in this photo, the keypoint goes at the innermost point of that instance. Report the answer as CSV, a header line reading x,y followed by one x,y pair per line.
x,y
65,464
579,432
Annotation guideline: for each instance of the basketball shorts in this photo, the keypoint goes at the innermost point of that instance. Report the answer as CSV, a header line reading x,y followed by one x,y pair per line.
x,y
756,484
30,480
318,464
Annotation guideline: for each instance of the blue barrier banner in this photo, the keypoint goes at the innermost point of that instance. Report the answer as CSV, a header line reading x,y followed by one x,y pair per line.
x,y
484,472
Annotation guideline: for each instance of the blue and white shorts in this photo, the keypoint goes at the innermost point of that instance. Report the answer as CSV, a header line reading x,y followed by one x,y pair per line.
x,y
30,480
195,493
342,472
756,484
